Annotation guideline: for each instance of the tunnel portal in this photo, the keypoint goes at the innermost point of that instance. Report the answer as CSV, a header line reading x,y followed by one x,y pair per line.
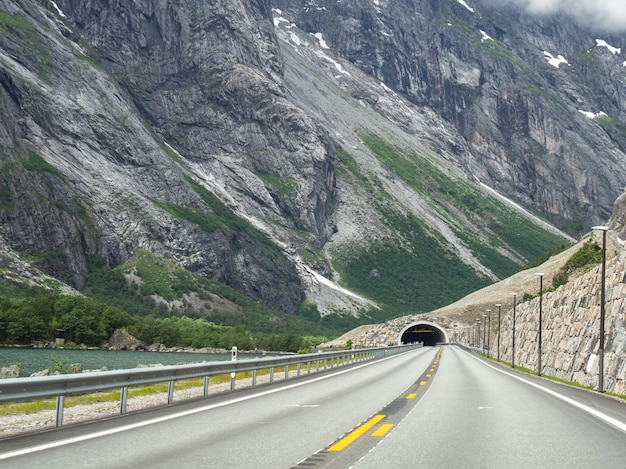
x,y
423,331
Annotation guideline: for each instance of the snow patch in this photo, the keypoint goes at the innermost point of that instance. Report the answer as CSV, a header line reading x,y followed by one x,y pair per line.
x,y
614,50
321,40
592,115
485,36
337,65
329,283
293,37
555,61
462,2
279,19
61,14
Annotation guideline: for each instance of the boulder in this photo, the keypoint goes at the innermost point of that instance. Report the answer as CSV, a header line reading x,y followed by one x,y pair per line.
x,y
12,371
122,340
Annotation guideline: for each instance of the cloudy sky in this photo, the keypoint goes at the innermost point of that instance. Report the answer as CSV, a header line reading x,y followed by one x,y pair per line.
x,y
602,14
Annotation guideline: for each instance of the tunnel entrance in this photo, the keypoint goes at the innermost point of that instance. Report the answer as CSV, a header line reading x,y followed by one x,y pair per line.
x,y
423,331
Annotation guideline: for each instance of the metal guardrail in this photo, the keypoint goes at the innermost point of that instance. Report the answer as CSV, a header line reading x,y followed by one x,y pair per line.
x,y
59,386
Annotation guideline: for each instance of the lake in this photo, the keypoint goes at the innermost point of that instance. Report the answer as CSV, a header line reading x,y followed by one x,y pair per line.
x,y
31,360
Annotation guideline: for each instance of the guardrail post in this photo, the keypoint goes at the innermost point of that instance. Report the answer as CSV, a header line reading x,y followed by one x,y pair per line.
x,y
60,404
298,369
123,399
271,374
205,390
308,367
253,377
286,372
170,392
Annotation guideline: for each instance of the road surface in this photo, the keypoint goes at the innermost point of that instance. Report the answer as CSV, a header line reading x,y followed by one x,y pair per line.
x,y
431,407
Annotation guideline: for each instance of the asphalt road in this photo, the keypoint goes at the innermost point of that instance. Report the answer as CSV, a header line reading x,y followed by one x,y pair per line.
x,y
432,407
477,414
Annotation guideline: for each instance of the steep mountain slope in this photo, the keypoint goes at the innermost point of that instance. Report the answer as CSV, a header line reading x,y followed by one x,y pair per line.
x,y
533,104
84,173
226,138
397,162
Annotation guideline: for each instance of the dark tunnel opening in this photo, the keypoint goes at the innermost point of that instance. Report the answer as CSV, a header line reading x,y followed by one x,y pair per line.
x,y
426,333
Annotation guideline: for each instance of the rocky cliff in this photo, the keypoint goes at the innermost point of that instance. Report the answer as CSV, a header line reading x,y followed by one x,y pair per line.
x,y
536,103
87,165
278,147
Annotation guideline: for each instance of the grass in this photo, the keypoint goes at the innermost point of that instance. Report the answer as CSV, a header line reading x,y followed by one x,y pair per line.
x,y
283,185
546,95
30,42
37,164
555,379
497,50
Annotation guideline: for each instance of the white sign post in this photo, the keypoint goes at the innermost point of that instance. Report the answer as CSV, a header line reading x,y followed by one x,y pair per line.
x,y
233,357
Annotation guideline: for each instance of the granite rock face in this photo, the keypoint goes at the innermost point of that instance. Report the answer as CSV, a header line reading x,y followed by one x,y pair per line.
x,y
99,110
228,137
536,103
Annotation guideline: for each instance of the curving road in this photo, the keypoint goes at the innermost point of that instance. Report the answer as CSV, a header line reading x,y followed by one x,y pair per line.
x,y
431,407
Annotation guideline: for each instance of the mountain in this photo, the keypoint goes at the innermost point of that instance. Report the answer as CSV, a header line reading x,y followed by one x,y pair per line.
x,y
360,158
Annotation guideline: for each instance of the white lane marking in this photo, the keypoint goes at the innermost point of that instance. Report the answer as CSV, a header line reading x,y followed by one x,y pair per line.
x,y
600,415
165,418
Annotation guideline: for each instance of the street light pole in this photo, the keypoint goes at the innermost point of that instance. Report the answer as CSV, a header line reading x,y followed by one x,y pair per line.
x,y
602,293
488,331
484,331
513,348
477,333
499,305
540,274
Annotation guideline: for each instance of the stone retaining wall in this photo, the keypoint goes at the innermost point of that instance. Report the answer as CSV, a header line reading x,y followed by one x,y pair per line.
x,y
570,330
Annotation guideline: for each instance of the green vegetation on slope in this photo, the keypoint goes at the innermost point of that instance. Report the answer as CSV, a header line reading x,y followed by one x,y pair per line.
x,y
161,289
404,280
157,301
17,28
589,254
485,224
416,270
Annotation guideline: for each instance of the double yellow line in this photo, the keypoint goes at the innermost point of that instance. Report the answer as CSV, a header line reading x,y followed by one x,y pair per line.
x,y
360,431
371,423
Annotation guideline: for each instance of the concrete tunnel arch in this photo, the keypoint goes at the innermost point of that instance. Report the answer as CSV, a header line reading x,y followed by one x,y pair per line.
x,y
423,331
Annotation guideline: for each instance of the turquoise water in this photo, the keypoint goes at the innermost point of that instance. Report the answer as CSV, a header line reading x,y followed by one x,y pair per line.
x,y
34,359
